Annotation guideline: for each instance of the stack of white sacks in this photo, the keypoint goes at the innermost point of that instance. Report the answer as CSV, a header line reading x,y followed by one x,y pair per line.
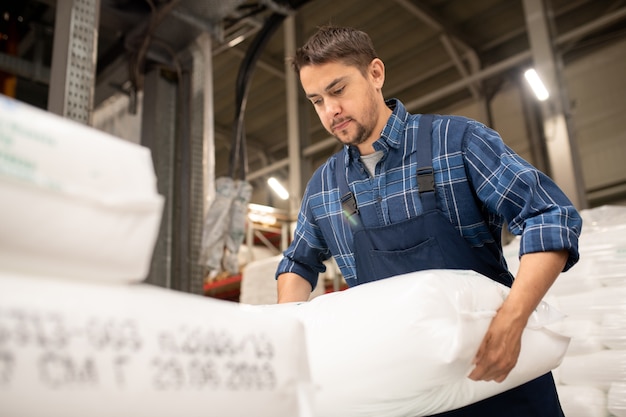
x,y
591,380
80,335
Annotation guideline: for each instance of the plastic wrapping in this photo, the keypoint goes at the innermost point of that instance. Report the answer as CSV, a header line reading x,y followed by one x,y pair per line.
x,y
224,226
216,224
237,227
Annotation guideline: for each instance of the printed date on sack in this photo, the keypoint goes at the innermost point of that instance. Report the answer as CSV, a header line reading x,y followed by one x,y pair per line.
x,y
176,374
62,351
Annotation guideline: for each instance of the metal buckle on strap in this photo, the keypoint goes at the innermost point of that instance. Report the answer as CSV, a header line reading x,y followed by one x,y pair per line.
x,y
425,180
348,204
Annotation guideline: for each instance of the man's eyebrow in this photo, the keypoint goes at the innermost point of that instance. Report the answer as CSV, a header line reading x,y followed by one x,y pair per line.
x,y
330,86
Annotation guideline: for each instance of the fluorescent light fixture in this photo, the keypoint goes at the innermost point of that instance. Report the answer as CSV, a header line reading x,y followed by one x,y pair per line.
x,y
236,41
536,84
278,188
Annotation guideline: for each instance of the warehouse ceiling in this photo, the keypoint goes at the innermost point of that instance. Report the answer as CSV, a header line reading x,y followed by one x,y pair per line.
x,y
437,52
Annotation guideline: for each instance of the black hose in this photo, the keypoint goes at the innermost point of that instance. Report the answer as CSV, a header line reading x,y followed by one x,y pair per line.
x,y
238,154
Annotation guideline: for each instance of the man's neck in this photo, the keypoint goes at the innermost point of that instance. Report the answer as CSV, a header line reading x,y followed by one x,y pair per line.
x,y
367,147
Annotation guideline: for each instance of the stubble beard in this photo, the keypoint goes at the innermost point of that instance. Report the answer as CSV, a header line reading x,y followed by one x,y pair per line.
x,y
360,136
363,131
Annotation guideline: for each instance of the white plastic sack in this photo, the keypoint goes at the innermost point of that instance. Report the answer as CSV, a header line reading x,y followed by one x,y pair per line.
x,y
510,252
258,281
258,285
403,346
584,335
580,279
76,202
603,217
617,399
599,369
72,349
603,252
613,330
581,401
593,305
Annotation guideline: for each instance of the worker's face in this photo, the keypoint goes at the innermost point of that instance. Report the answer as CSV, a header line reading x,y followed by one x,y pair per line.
x,y
347,101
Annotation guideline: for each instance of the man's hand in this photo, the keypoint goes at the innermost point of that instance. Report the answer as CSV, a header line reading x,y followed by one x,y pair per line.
x,y
499,350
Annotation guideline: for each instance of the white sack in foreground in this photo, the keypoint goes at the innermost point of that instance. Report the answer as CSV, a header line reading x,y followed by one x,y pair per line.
x,y
76,202
403,346
72,349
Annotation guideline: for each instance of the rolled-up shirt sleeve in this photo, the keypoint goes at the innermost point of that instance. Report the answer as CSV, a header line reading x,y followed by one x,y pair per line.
x,y
307,252
530,202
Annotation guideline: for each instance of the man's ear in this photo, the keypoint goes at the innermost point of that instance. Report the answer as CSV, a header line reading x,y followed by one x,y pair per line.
x,y
376,72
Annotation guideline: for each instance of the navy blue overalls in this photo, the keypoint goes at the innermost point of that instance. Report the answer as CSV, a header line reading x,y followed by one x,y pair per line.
x,y
430,241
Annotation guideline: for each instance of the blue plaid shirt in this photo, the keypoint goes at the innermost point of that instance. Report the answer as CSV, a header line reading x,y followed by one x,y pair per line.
x,y
481,184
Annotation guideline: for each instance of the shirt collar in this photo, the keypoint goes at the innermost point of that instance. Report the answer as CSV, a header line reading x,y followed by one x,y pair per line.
x,y
392,133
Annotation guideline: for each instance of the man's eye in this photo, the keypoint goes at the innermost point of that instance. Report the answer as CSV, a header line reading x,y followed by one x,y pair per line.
x,y
338,91
316,101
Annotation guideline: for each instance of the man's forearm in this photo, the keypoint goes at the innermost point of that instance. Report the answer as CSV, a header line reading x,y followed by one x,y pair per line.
x,y
293,288
536,274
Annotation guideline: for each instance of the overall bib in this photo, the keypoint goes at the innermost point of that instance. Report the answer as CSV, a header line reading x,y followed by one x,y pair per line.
x,y
430,241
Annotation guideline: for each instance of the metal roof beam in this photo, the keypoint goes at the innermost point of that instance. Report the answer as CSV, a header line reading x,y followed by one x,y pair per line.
x,y
491,71
433,22
447,38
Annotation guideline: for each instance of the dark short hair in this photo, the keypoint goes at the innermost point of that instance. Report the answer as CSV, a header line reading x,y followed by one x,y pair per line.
x,y
336,44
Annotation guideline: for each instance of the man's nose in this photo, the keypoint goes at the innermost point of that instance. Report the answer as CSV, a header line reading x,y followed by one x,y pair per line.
x,y
333,107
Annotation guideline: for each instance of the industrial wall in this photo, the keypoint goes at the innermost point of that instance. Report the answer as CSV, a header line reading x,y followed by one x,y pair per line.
x,y
596,86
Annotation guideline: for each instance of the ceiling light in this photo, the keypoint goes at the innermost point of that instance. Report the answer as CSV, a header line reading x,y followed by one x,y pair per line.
x,y
278,188
236,41
536,84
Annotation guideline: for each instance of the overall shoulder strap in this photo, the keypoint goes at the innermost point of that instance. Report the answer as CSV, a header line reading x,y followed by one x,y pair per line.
x,y
425,173
348,201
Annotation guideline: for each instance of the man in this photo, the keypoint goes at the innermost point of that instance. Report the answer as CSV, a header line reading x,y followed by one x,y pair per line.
x,y
415,192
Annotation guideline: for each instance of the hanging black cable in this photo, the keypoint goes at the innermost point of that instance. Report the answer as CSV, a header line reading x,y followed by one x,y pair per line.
x,y
238,154
238,158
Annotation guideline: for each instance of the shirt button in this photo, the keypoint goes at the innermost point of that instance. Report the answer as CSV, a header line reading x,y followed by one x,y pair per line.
x,y
379,199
